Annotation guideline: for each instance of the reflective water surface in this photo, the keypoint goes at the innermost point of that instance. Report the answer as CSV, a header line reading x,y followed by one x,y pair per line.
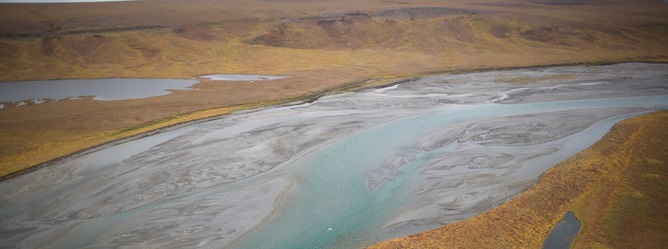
x,y
101,89
563,233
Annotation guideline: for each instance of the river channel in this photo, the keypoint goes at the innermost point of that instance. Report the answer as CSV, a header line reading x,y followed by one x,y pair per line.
x,y
342,172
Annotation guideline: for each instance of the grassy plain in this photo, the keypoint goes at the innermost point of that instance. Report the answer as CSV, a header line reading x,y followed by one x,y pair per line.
x,y
617,188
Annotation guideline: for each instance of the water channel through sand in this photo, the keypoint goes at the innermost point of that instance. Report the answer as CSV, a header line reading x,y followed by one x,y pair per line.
x,y
344,171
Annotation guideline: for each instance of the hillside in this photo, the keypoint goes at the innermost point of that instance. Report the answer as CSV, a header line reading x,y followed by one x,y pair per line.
x,y
184,39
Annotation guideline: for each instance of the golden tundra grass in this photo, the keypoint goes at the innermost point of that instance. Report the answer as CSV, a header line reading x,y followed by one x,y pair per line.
x,y
69,143
617,187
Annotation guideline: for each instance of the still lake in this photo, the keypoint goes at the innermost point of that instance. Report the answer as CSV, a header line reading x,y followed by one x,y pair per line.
x,y
108,89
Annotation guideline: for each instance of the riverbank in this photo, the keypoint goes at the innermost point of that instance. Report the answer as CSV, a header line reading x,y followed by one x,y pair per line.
x,y
73,145
616,187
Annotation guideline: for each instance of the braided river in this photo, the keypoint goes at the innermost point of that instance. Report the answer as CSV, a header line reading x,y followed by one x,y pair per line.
x,y
342,172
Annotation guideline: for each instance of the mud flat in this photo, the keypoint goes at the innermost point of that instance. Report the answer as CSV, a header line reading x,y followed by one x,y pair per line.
x,y
344,171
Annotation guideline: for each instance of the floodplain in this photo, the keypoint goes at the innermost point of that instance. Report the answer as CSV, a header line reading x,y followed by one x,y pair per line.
x,y
365,166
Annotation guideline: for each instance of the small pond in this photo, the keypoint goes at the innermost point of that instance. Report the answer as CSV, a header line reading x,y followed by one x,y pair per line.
x,y
563,233
101,89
